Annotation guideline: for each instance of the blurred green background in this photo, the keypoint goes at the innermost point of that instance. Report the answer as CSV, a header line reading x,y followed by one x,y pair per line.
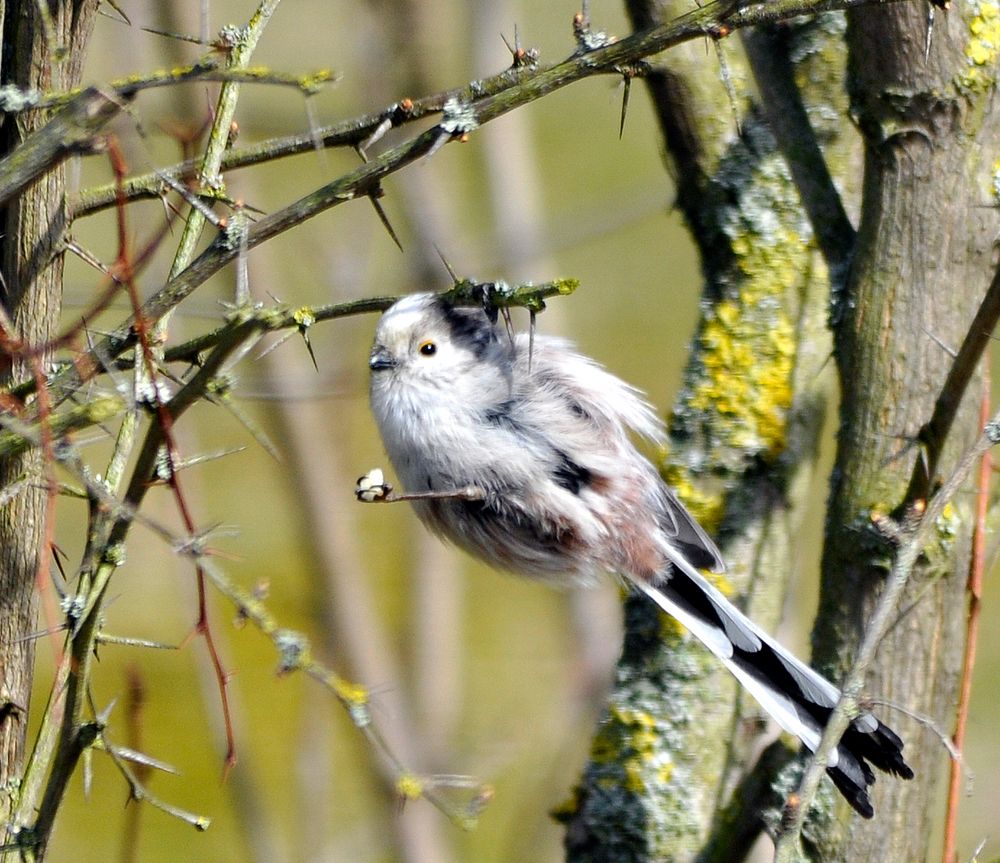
x,y
474,673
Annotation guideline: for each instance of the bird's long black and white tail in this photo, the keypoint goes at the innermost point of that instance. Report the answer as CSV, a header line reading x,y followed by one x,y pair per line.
x,y
797,697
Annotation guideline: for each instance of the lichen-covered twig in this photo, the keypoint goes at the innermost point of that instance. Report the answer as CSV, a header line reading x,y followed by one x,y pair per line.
x,y
768,52
263,320
295,654
71,130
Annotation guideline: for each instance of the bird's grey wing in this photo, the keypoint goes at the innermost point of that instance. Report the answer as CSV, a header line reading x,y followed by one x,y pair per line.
x,y
684,533
591,410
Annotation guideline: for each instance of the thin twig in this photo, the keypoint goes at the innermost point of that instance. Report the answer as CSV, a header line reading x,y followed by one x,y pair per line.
x,y
165,418
205,70
768,52
135,703
20,436
372,488
225,110
140,793
934,434
43,581
977,566
296,655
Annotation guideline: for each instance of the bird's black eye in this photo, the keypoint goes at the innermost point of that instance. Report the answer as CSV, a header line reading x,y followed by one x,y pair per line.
x,y
427,348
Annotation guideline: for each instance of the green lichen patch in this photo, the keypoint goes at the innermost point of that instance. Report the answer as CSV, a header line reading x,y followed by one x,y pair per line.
x,y
995,183
630,739
982,51
631,759
747,365
733,414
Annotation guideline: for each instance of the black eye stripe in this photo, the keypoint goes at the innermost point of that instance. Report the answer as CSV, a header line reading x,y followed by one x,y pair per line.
x,y
469,328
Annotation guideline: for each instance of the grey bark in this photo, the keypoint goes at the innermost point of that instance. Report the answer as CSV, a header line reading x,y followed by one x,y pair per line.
x,y
32,227
921,268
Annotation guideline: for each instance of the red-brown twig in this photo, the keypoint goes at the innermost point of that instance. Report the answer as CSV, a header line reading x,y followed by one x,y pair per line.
x,y
975,587
141,325
12,347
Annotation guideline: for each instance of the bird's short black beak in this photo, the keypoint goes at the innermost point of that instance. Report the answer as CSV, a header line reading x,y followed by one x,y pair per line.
x,y
380,359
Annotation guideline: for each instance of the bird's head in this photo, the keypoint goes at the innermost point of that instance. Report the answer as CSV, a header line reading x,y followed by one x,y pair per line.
x,y
424,342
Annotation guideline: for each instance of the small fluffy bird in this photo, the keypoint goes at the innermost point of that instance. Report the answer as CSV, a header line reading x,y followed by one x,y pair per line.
x,y
524,453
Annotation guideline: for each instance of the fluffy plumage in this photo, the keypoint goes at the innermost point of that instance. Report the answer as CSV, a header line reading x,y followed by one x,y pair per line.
x,y
567,496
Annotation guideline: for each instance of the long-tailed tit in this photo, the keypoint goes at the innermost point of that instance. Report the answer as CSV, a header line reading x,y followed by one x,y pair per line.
x,y
527,458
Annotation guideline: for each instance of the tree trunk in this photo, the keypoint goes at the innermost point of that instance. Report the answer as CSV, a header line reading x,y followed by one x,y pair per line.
x,y
47,56
921,269
678,735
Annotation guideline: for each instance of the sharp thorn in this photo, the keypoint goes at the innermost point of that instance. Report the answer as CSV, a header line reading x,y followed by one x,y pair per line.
x,y
625,95
447,265
385,220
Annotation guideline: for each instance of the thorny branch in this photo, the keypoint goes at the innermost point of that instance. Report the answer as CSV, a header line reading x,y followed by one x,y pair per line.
x,y
459,119
486,99
977,567
84,114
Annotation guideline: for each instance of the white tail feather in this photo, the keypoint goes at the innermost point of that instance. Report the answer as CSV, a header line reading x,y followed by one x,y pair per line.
x,y
778,704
